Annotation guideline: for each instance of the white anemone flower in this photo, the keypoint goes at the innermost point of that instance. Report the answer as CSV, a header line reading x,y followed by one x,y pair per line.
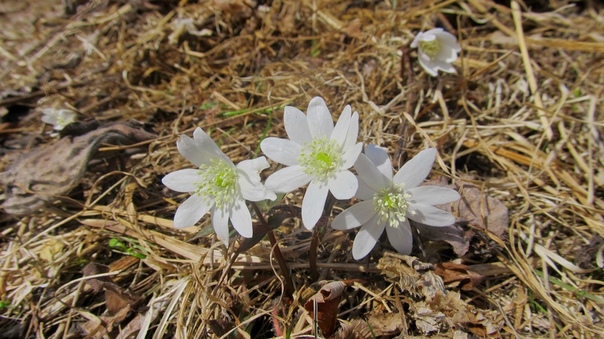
x,y
58,118
317,153
218,186
437,50
389,201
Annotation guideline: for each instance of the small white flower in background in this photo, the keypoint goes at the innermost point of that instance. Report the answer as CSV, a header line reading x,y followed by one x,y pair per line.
x,y
389,201
437,50
180,25
58,118
317,153
218,186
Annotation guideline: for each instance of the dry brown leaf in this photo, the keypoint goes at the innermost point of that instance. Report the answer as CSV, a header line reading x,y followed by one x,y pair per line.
x,y
458,274
475,208
325,303
50,171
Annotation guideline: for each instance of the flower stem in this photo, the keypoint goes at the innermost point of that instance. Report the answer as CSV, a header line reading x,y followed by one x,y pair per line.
x,y
314,241
289,285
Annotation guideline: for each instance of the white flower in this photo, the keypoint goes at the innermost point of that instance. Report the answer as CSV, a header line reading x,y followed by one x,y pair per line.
x,y
437,50
218,186
388,201
316,152
58,118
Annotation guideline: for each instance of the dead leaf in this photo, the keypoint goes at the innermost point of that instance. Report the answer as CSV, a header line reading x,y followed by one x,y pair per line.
x,y
476,209
50,171
323,306
458,274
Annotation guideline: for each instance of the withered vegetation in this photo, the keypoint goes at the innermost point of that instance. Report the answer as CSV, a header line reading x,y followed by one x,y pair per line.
x,y
521,122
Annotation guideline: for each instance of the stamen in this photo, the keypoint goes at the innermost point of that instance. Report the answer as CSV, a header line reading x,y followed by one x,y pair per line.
x,y
430,48
391,204
217,182
321,158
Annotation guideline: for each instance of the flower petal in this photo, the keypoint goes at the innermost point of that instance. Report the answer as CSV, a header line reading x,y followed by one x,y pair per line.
x,y
340,131
351,155
249,180
379,157
344,185
354,216
369,174
313,204
287,179
449,40
401,237
220,222
282,151
364,192
416,170
207,144
428,65
353,132
368,236
296,125
433,195
242,219
189,149
190,211
182,180
430,215
319,118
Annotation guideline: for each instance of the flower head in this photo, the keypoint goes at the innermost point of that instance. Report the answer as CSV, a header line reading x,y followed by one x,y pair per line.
x,y
217,185
389,201
318,153
58,118
437,50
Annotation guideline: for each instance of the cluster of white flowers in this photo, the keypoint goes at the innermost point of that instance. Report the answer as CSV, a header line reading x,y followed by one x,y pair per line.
x,y
320,155
58,118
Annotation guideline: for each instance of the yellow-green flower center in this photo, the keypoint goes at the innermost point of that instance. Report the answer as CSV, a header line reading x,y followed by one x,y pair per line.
x,y
218,182
430,48
321,158
391,204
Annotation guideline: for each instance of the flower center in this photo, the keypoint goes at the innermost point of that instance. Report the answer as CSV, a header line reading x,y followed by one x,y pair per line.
x,y
430,48
218,182
321,158
391,204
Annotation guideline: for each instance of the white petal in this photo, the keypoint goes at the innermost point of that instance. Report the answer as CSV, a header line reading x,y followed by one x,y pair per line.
x,y
433,195
282,151
287,179
416,40
182,180
340,131
351,155
449,40
379,157
353,131
446,54
249,180
255,191
354,216
400,237
433,66
296,125
189,149
430,215
344,185
242,219
190,211
364,192
416,170
369,174
313,204
367,237
319,118
428,65
220,222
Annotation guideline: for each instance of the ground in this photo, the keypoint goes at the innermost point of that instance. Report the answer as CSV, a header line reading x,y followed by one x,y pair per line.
x,y
518,129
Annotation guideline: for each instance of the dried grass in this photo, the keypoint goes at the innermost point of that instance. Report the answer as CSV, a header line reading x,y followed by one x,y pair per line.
x,y
521,119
